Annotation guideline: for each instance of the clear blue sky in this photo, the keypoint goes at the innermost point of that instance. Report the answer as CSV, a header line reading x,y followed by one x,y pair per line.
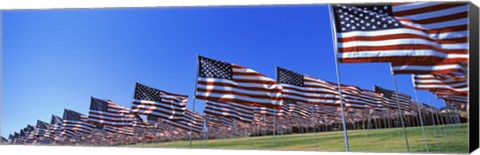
x,y
56,59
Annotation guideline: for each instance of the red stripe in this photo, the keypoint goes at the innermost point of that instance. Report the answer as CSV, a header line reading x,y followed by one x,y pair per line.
x,y
402,36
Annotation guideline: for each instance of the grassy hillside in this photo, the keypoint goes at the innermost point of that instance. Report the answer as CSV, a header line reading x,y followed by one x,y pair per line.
x,y
452,139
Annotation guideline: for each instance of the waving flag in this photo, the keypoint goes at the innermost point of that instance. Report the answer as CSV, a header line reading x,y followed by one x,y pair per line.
x,y
236,111
139,122
268,111
225,82
351,96
56,126
298,109
391,98
106,112
190,120
3,139
441,82
303,88
127,130
151,101
10,138
75,123
405,34
42,129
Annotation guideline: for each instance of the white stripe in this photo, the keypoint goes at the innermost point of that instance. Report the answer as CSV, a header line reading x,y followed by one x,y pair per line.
x,y
244,91
159,104
411,6
428,68
389,53
439,13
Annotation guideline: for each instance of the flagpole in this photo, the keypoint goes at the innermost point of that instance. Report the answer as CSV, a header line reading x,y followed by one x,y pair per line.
x,y
315,126
433,120
399,109
194,97
421,118
334,40
274,125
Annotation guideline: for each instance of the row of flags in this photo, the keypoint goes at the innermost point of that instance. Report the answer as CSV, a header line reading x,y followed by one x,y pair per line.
x,y
301,96
427,40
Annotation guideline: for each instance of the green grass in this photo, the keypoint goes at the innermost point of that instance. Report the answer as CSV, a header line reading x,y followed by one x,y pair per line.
x,y
449,139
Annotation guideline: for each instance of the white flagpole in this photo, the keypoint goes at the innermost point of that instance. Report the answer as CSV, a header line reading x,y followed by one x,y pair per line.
x,y
334,40
399,109
421,118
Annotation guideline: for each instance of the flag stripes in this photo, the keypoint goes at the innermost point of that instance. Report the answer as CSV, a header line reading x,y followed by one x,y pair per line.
x,y
226,82
232,110
75,123
151,101
106,112
303,88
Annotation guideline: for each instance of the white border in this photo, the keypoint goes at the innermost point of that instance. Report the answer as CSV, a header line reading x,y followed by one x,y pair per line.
x,y
70,4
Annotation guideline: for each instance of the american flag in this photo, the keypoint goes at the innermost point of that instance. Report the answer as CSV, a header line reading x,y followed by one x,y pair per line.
x,y
268,111
441,82
10,138
3,140
298,109
139,122
151,101
225,82
351,97
16,137
215,121
372,100
56,126
190,120
106,112
75,123
325,110
22,136
232,110
404,34
126,130
391,98
303,88
42,129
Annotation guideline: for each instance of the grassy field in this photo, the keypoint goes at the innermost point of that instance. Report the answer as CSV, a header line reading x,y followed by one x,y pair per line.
x,y
449,139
